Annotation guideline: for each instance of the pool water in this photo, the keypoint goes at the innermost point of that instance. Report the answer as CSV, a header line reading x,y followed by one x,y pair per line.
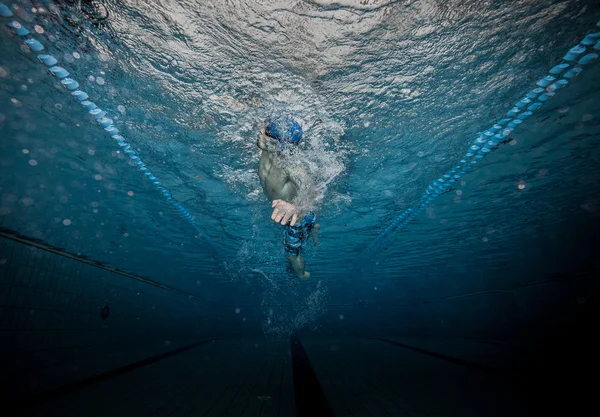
x,y
390,94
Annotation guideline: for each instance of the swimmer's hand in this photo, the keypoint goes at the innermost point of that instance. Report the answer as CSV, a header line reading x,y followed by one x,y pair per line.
x,y
262,140
284,212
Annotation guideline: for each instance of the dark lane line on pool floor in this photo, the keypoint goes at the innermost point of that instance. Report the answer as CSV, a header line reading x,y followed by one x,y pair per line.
x,y
70,388
39,244
310,398
446,358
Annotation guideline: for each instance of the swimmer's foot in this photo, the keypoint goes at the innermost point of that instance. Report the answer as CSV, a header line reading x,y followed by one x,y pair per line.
x,y
315,234
297,263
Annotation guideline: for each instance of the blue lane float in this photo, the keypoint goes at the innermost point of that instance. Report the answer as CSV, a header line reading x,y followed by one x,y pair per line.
x,y
80,95
488,140
5,11
587,59
48,60
70,83
100,116
18,28
59,72
34,45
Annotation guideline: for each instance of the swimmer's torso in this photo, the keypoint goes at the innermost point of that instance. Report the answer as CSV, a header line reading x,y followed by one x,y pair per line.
x,y
274,179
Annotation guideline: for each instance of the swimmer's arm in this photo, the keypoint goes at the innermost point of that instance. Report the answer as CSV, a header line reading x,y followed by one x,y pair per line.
x,y
300,179
307,195
291,211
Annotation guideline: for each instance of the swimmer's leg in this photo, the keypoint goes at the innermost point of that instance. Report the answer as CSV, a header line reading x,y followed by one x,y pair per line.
x,y
315,234
298,265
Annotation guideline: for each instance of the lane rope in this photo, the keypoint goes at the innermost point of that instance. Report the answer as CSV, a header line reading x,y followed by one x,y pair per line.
x,y
100,116
488,140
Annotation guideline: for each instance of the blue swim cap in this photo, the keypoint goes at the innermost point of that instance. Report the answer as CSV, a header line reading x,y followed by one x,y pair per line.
x,y
289,131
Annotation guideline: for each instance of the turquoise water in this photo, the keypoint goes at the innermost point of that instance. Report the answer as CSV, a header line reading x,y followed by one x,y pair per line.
x,y
391,95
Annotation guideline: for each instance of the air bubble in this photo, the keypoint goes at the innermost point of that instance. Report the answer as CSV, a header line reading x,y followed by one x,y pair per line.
x,y
587,117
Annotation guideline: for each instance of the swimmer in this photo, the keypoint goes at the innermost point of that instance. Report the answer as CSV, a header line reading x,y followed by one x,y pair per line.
x,y
291,192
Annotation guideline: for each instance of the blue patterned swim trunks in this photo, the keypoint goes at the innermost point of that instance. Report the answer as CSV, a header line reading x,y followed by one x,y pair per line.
x,y
294,237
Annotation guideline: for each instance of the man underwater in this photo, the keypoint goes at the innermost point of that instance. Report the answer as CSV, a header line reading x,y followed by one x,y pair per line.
x,y
291,191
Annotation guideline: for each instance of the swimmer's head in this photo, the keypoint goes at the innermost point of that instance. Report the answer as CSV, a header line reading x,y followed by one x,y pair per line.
x,y
289,131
